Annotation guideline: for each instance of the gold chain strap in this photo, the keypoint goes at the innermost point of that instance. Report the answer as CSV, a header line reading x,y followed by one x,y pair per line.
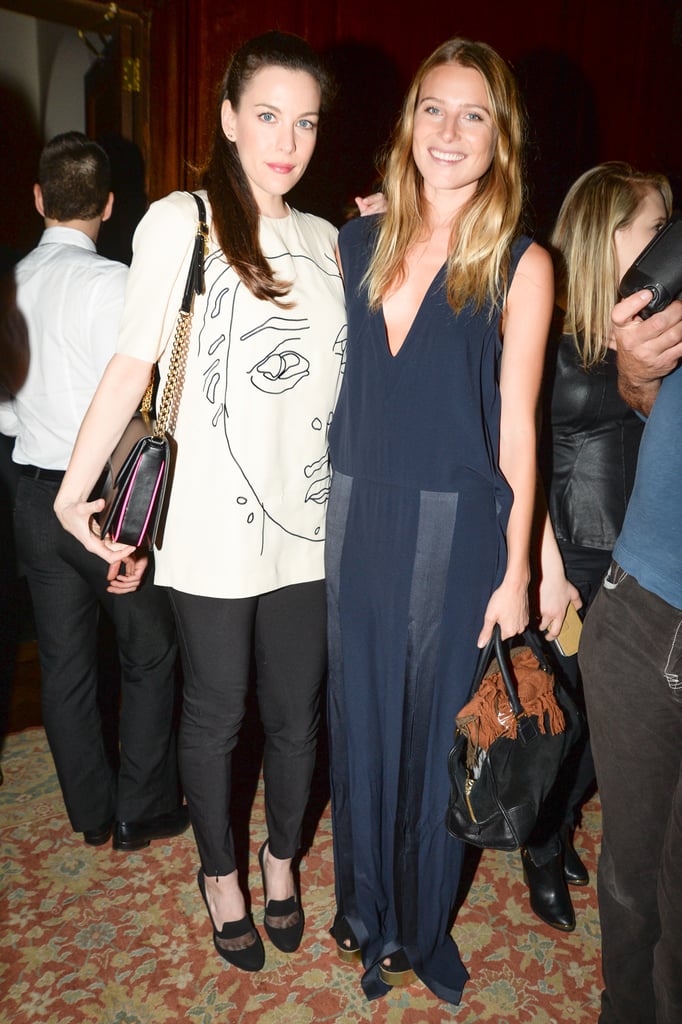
x,y
168,410
175,379
146,403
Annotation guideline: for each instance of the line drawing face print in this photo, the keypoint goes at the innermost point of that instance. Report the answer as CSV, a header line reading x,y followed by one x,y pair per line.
x,y
271,378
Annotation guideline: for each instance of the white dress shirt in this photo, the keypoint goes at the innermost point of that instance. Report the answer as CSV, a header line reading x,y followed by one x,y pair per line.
x,y
72,301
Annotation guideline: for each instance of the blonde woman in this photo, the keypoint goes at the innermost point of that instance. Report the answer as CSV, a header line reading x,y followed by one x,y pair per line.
x,y
589,445
433,450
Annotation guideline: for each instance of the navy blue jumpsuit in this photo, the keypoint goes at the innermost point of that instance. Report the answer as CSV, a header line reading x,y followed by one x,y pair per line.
x,y
415,547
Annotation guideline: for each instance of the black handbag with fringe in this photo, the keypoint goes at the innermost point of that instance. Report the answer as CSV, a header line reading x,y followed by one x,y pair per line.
x,y
510,741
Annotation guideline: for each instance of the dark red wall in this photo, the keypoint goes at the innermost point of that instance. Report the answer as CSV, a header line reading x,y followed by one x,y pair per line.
x,y
602,79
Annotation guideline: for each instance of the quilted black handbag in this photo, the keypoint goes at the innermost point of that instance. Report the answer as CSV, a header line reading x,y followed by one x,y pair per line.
x,y
506,757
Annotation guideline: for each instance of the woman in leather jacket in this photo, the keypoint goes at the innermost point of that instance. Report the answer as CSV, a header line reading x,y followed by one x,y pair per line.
x,y
588,453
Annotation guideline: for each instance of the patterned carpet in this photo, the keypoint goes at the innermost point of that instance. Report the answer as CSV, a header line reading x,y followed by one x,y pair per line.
x,y
89,935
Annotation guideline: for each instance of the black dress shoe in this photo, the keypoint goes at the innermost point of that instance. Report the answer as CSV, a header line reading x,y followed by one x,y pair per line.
x,y
134,835
237,942
575,871
98,836
283,919
550,899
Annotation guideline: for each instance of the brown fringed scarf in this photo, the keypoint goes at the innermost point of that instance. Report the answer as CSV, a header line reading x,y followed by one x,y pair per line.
x,y
488,714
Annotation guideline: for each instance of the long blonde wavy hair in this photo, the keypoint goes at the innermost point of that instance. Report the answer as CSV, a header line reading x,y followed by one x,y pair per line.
x,y
484,229
602,200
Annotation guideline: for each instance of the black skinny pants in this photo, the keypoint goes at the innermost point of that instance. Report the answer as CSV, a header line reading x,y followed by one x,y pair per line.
x,y
282,633
585,568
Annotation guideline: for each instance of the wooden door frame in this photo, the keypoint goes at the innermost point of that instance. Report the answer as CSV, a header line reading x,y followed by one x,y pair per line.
x,y
100,16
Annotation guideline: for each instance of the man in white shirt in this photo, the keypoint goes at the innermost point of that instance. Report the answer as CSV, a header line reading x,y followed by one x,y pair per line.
x,y
72,300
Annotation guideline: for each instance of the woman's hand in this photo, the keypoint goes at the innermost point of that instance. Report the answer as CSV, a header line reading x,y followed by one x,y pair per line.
x,y
77,517
508,605
116,399
552,591
555,593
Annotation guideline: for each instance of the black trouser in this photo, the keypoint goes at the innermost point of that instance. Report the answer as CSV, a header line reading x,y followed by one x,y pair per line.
x,y
11,586
283,633
585,568
68,586
631,661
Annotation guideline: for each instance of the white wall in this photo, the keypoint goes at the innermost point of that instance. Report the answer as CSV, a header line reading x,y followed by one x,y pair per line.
x,y
19,70
64,103
45,63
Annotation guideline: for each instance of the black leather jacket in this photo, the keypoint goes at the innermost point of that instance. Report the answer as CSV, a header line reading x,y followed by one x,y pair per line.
x,y
589,444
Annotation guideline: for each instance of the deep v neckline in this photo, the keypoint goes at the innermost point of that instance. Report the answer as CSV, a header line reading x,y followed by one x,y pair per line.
x,y
417,316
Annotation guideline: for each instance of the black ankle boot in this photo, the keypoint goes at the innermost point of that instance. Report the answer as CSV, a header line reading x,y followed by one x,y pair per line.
x,y
550,899
575,871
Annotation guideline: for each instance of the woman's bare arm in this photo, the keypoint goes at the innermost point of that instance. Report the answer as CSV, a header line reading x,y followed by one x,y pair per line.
x,y
526,326
114,403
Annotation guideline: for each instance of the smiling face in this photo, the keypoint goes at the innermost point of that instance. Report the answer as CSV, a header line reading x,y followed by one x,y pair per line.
x,y
274,129
454,137
629,241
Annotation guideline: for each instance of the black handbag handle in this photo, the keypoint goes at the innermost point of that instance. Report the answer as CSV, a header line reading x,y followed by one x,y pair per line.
x,y
195,276
527,728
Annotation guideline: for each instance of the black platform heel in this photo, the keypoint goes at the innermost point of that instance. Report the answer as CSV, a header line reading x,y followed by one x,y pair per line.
x,y
251,956
347,946
399,973
286,936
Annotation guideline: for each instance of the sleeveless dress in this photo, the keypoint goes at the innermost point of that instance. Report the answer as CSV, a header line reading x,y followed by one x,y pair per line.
x,y
415,546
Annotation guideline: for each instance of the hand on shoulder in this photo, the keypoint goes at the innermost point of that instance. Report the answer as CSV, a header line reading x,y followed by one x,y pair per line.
x,y
367,205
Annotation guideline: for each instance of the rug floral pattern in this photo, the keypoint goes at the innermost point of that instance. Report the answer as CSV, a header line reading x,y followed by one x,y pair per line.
x,y
90,935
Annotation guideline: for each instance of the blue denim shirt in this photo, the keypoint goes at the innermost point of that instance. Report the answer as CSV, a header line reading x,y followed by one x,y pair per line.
x,y
650,543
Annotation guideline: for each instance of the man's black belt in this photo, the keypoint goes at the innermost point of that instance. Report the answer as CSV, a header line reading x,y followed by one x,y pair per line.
x,y
54,476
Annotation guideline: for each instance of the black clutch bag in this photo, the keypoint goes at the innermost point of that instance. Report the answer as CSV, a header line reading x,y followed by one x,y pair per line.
x,y
139,468
510,742
658,268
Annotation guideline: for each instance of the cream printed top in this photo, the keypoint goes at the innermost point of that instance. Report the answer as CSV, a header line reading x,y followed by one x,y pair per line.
x,y
251,477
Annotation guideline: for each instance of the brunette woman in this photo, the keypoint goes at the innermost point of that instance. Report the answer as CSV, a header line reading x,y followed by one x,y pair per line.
x,y
242,553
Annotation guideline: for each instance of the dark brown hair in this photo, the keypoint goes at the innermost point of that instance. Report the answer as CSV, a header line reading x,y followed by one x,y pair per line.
x,y
74,177
235,213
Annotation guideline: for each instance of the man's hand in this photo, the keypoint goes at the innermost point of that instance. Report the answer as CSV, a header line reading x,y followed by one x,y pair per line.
x,y
648,350
128,579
